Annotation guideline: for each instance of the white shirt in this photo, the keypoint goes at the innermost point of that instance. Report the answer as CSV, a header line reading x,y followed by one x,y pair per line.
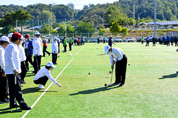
x,y
36,47
44,72
54,46
26,44
12,59
22,53
116,54
2,58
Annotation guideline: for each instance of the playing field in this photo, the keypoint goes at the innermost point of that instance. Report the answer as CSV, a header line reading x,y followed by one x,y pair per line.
x,y
151,88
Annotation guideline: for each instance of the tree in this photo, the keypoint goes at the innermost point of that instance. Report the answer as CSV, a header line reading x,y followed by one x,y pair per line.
x,y
71,6
84,28
102,30
46,29
124,31
115,28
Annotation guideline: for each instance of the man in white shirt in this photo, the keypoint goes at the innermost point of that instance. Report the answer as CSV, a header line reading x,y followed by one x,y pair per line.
x,y
118,58
12,71
43,75
54,50
37,52
3,80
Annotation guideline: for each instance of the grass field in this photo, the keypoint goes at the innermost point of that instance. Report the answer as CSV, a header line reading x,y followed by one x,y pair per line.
x,y
151,88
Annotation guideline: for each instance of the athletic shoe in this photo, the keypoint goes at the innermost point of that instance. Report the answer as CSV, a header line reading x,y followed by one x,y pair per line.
x,y
114,84
41,86
25,108
55,64
121,85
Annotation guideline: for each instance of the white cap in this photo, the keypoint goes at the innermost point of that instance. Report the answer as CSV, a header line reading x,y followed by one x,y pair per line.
x,y
106,49
49,64
55,38
10,35
4,39
44,36
37,33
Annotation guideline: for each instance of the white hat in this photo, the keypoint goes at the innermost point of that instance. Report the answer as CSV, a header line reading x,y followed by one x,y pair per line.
x,y
55,38
49,64
4,39
37,33
106,49
10,35
44,36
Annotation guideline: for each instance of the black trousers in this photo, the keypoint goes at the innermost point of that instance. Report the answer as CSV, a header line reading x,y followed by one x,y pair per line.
x,y
15,91
54,58
37,63
70,46
120,70
24,70
41,80
65,46
58,47
44,50
147,44
3,87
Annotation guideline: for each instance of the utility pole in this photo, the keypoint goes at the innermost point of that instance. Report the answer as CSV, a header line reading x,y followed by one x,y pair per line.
x,y
127,22
154,18
138,20
65,28
51,15
133,14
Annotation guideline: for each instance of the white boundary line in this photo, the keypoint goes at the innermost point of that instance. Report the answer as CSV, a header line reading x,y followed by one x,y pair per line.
x,y
46,90
79,50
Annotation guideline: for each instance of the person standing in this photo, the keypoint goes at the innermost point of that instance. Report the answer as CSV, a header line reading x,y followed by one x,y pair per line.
x,y
65,44
58,41
70,44
147,41
168,41
37,52
45,46
13,70
54,50
44,74
98,40
27,37
3,80
104,40
154,41
23,65
142,40
110,42
118,58
172,40
175,40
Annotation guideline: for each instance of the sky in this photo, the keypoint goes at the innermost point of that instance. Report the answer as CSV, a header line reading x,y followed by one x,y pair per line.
x,y
78,4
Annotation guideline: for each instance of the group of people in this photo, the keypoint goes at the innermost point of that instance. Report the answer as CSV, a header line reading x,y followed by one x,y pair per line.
x,y
165,40
14,66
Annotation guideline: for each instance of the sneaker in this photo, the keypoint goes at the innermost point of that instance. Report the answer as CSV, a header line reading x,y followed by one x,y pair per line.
x,y
55,64
41,86
25,108
121,85
14,106
114,84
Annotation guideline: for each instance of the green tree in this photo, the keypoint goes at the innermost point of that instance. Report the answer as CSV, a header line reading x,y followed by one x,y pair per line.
x,y
84,28
115,27
102,30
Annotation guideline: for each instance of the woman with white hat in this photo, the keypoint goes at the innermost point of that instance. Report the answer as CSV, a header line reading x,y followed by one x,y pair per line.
x,y
44,74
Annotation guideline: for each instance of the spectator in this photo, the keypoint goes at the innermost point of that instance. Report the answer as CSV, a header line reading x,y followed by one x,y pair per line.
x,y
70,44
54,50
65,44
45,46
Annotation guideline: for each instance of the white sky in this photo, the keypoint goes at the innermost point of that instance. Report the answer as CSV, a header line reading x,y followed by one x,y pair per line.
x,y
77,3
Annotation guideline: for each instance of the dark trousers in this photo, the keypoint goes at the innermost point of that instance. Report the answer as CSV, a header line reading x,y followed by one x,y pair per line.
x,y
37,63
147,44
58,47
41,80
65,46
70,46
142,42
54,58
24,70
3,87
120,70
15,91
29,59
44,50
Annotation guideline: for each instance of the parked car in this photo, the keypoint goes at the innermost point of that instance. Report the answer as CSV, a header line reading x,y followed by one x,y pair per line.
x,y
129,39
93,39
118,39
139,39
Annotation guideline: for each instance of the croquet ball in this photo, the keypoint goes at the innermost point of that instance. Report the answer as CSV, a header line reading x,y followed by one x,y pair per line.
x,y
177,50
177,72
105,84
89,73
129,64
110,72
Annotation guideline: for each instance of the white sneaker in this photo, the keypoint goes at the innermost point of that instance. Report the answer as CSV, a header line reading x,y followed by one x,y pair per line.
x,y
41,86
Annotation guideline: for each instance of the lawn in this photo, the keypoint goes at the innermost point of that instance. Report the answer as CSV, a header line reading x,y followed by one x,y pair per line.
x,y
151,88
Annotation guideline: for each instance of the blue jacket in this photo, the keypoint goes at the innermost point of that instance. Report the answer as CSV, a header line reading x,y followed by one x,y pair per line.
x,y
30,48
168,38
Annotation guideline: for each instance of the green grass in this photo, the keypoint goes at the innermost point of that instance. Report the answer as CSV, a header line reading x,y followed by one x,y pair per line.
x,y
151,88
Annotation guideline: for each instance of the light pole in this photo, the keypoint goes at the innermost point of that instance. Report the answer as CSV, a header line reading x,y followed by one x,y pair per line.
x,y
154,18
51,15
133,14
